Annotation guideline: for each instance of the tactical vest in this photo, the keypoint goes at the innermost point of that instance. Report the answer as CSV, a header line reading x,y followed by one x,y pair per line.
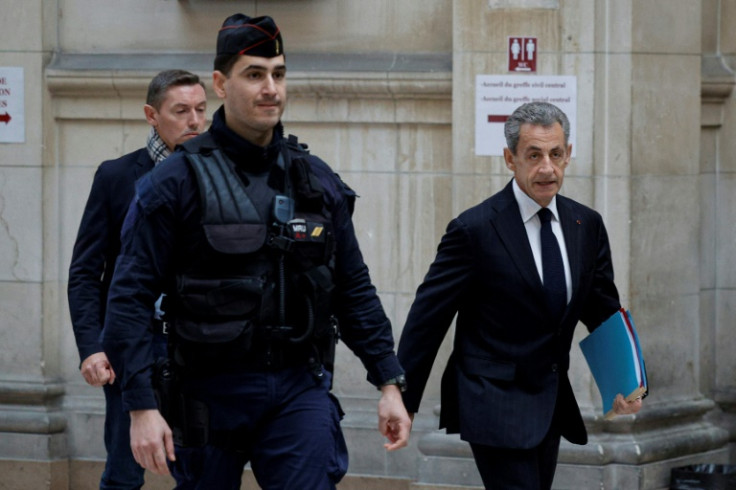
x,y
259,296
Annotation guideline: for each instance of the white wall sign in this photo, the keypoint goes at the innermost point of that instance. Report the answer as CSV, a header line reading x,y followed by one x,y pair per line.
x,y
497,96
12,109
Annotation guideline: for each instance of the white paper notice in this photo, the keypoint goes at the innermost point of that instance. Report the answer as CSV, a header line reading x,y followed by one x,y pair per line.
x,y
497,96
12,109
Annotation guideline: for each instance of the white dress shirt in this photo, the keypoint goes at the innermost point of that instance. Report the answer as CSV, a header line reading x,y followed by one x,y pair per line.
x,y
529,208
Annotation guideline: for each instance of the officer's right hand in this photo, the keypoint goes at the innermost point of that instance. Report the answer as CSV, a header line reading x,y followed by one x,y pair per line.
x,y
151,440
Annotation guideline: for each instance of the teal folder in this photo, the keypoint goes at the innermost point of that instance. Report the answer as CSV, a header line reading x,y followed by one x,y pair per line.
x,y
614,356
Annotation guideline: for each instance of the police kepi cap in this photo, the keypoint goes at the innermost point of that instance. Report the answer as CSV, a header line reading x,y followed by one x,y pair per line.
x,y
254,36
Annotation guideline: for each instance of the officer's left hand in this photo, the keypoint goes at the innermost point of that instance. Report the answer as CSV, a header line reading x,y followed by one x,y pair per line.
x,y
393,420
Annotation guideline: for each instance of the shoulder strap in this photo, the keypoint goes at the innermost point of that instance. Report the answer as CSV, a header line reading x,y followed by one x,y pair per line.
x,y
200,144
293,142
224,199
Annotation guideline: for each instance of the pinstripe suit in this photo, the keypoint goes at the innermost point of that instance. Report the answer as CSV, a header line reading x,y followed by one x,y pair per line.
x,y
508,369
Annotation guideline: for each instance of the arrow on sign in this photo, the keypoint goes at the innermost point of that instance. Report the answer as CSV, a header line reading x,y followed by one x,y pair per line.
x,y
5,118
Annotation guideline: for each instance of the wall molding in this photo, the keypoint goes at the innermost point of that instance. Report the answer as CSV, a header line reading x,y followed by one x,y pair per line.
x,y
392,76
716,86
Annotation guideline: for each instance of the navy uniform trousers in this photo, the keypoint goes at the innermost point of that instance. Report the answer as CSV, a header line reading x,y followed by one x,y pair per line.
x,y
285,423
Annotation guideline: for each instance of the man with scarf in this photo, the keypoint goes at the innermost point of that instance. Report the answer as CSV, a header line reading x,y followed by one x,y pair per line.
x,y
175,108
251,237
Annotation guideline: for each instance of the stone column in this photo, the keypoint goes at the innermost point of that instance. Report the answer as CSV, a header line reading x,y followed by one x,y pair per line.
x,y
32,440
638,162
718,237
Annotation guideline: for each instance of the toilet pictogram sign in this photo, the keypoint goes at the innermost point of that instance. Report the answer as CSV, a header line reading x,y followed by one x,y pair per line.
x,y
523,54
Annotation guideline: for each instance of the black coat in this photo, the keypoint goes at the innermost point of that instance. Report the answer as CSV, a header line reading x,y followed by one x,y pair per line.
x,y
508,369
98,245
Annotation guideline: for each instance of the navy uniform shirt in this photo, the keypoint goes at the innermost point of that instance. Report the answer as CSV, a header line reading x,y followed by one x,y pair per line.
x,y
163,228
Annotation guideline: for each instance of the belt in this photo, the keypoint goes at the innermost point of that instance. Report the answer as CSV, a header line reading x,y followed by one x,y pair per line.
x,y
274,356
259,358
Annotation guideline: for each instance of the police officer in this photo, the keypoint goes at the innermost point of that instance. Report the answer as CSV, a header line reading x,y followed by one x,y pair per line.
x,y
251,237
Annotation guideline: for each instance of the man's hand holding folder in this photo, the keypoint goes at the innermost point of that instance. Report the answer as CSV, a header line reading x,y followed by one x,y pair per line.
x,y
623,407
614,356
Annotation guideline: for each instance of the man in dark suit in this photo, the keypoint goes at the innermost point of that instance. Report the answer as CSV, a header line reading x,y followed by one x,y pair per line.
x,y
175,108
505,388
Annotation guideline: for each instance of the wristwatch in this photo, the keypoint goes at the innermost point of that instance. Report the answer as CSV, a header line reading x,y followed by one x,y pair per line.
x,y
399,381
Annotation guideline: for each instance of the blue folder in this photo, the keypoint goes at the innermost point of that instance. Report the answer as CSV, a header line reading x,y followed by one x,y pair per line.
x,y
614,356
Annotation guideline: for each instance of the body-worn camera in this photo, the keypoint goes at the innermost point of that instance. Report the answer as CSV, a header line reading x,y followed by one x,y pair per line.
x,y
283,209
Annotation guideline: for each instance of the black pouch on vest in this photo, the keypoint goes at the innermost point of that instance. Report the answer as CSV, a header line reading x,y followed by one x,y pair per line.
x,y
215,320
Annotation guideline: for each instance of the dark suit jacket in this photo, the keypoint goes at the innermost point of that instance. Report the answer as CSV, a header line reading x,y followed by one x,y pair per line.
x,y
508,368
98,245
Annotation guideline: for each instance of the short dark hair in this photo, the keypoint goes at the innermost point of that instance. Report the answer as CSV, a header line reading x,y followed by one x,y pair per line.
x,y
537,113
162,82
225,62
